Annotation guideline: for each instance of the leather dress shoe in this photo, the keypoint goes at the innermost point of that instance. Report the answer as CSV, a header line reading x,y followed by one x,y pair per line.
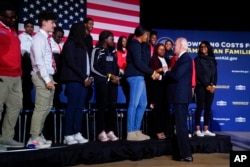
x,y
187,159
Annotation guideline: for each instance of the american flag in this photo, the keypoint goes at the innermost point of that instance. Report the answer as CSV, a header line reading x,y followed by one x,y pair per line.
x,y
68,12
119,16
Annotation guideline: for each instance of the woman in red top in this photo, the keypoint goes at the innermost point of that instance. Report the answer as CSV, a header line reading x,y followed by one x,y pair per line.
x,y
121,58
122,53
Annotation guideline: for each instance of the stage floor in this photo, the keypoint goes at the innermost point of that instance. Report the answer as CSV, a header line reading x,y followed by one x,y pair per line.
x,y
96,152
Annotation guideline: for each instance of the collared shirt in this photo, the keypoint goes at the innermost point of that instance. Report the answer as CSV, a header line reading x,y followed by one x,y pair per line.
x,y
163,61
181,54
26,41
56,48
41,56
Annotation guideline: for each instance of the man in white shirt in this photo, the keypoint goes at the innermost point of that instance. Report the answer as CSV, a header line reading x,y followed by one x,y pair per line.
x,y
26,36
27,85
56,45
57,40
43,69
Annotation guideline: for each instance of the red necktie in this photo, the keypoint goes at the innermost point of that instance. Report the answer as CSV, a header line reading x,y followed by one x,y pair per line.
x,y
53,58
60,49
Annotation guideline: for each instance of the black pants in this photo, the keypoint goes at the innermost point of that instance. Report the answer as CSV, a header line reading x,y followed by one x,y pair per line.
x,y
161,107
27,84
183,143
204,102
56,77
106,97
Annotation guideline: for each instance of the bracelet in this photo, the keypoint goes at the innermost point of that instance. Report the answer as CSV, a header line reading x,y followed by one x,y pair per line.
x,y
109,75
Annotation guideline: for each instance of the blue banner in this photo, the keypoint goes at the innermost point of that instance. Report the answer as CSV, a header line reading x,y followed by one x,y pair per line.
x,y
230,110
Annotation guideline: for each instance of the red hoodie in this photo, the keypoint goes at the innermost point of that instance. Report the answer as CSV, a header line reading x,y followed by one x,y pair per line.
x,y
121,59
10,52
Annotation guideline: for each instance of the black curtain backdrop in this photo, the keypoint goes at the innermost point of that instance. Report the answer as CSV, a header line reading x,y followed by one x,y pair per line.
x,y
199,15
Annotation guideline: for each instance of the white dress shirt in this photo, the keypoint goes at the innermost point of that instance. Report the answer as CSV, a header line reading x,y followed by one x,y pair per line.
x,y
56,48
41,56
26,41
163,62
179,56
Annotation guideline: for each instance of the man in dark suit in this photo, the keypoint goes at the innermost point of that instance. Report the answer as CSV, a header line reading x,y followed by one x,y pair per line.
x,y
180,95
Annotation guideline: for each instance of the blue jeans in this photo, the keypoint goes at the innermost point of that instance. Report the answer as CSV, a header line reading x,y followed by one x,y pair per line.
x,y
137,103
76,94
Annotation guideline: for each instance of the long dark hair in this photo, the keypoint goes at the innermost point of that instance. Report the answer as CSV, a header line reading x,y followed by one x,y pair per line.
x,y
119,43
209,48
154,63
77,32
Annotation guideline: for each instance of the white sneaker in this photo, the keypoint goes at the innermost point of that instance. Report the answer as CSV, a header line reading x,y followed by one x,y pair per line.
x,y
103,137
69,140
112,136
198,133
37,143
208,133
80,139
11,143
44,140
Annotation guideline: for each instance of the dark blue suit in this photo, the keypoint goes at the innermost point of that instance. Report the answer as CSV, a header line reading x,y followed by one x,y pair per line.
x,y
180,95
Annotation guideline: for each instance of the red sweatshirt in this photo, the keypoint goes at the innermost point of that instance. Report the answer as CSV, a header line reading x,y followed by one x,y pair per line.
x,y
10,52
121,59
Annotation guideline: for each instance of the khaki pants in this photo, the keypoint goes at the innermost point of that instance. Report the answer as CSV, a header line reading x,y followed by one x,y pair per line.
x,y
43,105
10,95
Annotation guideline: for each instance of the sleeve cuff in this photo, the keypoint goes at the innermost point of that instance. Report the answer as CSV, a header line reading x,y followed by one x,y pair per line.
x,y
47,80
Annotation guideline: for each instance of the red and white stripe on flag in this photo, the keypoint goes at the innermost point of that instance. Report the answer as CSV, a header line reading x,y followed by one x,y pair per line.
x,y
119,16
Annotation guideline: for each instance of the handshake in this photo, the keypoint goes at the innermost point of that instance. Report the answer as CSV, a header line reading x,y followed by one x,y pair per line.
x,y
156,75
